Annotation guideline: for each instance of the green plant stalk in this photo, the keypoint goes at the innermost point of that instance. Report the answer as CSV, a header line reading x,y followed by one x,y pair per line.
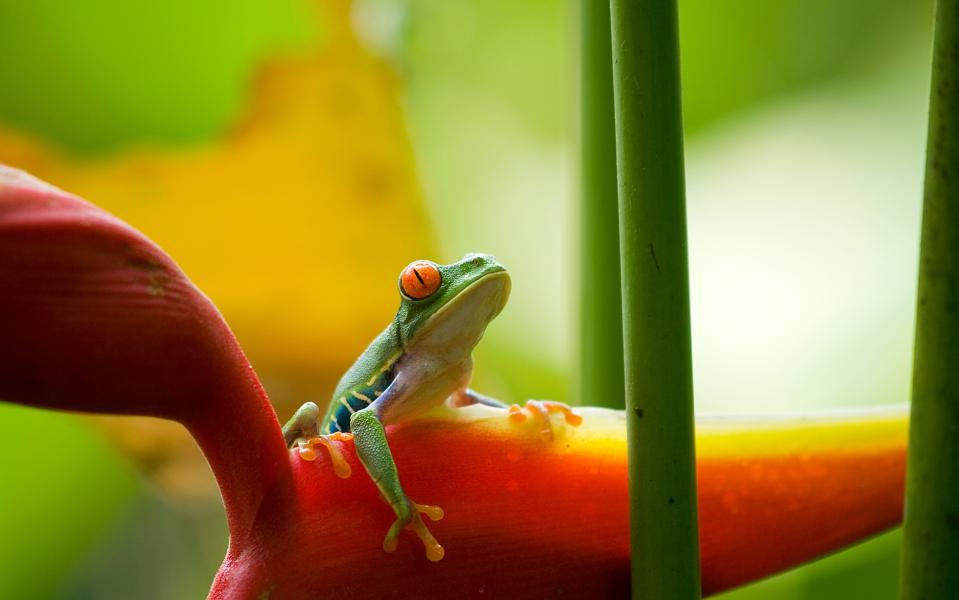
x,y
930,554
601,321
659,394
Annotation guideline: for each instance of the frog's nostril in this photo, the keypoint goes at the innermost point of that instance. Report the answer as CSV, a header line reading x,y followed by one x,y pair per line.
x,y
478,259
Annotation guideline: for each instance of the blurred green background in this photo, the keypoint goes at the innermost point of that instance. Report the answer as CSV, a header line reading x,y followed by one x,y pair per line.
x,y
805,130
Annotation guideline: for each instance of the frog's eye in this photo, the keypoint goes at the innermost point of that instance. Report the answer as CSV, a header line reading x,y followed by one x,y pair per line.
x,y
420,280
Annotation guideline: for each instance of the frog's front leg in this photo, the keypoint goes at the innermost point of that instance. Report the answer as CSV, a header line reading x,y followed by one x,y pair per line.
x,y
373,449
302,431
539,410
303,424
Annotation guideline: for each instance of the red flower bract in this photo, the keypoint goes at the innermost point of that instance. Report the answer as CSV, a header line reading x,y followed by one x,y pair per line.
x,y
96,318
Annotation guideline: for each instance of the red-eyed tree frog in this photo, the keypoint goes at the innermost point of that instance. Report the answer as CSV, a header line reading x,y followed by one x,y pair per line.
x,y
421,360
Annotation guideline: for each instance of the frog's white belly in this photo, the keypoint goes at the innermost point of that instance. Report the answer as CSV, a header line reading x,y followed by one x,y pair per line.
x,y
429,382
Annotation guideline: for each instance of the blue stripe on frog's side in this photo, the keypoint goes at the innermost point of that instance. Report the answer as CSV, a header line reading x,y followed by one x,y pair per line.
x,y
358,398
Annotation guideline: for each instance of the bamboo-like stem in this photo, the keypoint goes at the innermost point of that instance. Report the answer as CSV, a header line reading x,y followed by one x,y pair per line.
x,y
930,556
659,394
601,321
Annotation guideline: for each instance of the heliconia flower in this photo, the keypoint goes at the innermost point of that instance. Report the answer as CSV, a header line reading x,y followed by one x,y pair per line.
x,y
97,318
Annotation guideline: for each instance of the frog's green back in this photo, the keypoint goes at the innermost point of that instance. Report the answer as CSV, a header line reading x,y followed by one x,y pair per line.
x,y
364,381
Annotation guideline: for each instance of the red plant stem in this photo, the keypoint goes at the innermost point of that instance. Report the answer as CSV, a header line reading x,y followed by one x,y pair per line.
x,y
96,318
237,430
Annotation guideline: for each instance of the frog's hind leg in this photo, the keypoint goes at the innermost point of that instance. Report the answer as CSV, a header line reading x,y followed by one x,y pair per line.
x,y
469,397
307,449
409,516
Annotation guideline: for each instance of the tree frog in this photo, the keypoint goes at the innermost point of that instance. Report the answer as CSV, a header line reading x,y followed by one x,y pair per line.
x,y
421,360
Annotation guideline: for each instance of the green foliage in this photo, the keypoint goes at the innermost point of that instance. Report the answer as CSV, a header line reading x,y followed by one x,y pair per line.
x,y
868,570
61,486
96,74
735,56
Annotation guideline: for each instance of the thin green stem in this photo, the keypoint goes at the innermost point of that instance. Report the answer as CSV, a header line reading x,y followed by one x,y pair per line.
x,y
601,321
930,556
659,394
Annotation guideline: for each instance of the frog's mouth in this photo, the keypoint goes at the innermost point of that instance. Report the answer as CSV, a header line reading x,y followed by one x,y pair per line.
x,y
461,322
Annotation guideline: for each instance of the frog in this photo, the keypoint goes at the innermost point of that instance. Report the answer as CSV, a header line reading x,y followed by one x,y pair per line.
x,y
422,360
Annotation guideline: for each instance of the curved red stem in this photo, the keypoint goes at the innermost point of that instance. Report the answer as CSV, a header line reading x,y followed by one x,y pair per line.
x,y
96,318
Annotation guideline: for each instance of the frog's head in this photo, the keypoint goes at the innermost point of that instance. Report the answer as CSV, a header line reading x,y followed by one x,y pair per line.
x,y
449,306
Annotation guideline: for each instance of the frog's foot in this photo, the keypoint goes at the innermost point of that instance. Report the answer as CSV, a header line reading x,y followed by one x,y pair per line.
x,y
303,424
540,410
408,516
307,449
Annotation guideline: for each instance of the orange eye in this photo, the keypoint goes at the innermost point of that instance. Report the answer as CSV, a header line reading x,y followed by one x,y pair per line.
x,y
420,279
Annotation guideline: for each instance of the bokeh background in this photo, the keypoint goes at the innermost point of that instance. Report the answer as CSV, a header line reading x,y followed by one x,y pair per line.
x,y
293,155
